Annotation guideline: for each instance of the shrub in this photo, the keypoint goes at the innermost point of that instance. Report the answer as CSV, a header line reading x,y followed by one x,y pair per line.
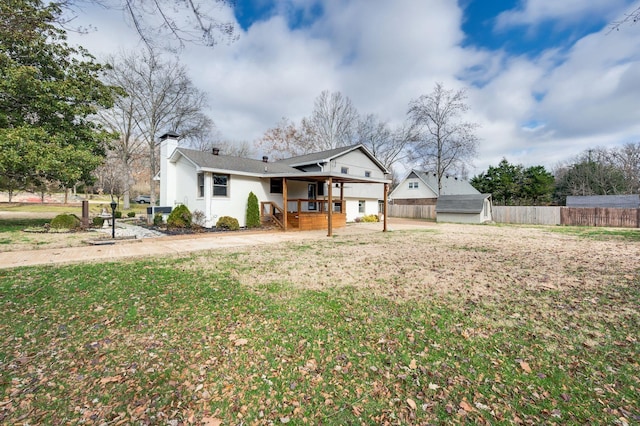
x,y
118,214
158,220
228,222
66,221
371,218
98,221
180,217
253,211
198,218
131,214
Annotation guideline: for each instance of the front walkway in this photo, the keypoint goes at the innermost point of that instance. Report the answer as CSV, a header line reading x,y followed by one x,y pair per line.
x,y
163,246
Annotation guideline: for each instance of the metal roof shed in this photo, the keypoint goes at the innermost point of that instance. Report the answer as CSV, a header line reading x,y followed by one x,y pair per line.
x,y
468,208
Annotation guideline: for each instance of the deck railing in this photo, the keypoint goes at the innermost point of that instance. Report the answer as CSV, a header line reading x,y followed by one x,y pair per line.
x,y
271,211
313,206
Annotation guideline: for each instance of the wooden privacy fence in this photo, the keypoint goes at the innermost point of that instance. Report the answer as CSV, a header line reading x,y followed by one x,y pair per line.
x,y
531,215
621,218
413,212
539,215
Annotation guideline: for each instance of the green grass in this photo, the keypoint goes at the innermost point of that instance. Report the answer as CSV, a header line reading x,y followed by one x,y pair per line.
x,y
148,342
596,233
17,225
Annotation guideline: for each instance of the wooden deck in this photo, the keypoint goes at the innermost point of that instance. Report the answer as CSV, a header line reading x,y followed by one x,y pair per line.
x,y
299,218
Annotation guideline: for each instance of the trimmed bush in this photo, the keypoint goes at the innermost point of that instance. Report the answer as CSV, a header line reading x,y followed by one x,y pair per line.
x,y
118,214
98,221
253,211
180,217
131,214
158,220
228,222
66,221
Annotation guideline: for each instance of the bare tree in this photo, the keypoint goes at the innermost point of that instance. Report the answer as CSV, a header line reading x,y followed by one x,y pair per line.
x,y
446,142
161,97
388,145
627,158
284,140
332,124
168,24
631,17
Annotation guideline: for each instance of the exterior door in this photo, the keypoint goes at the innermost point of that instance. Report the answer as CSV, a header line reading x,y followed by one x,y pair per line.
x,y
312,195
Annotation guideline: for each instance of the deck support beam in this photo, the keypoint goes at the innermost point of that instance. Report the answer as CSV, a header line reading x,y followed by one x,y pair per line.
x,y
284,203
385,208
330,208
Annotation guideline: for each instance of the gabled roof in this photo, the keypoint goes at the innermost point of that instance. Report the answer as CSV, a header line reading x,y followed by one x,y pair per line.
x,y
206,160
450,185
469,203
326,156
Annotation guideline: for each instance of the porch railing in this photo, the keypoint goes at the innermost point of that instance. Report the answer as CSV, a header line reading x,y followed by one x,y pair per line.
x,y
271,211
314,206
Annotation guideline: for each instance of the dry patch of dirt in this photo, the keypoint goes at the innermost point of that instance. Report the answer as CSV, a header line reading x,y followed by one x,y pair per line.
x,y
468,262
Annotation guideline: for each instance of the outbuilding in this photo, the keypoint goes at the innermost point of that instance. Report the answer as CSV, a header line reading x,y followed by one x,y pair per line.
x,y
468,208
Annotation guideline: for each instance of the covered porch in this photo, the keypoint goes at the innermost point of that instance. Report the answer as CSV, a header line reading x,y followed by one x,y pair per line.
x,y
328,212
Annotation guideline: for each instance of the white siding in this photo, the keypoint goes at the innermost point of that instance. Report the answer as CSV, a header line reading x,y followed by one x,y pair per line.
x,y
358,163
403,191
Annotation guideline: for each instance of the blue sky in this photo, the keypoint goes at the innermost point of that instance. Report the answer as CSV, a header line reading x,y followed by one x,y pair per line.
x,y
545,79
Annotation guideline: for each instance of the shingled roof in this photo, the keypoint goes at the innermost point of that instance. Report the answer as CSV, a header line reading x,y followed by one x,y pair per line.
x,y
468,203
206,160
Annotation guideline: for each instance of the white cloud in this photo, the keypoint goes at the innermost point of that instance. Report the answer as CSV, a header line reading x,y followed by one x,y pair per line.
x,y
532,12
383,54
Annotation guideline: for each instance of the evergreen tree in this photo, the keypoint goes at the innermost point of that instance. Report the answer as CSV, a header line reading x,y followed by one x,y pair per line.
x,y
253,211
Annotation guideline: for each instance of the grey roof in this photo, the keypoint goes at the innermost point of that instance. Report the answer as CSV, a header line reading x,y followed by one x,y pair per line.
x,y
469,203
451,185
604,201
316,157
322,156
206,160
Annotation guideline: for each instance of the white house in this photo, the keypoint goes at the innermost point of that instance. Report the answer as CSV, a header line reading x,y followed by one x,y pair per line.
x,y
350,179
421,188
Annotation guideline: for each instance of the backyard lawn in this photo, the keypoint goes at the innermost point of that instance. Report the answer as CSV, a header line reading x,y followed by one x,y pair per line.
x,y
451,325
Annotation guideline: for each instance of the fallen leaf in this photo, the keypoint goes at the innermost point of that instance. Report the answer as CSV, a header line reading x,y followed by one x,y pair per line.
x,y
525,366
412,403
111,379
433,386
413,365
211,421
466,406
241,342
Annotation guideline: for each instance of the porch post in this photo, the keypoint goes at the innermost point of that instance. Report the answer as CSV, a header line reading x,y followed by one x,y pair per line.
x,y
284,203
385,209
330,212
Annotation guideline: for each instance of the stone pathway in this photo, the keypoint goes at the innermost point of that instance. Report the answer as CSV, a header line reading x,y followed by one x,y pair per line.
x,y
129,230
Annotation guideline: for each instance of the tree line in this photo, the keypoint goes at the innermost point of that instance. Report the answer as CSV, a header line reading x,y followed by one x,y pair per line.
x,y
596,171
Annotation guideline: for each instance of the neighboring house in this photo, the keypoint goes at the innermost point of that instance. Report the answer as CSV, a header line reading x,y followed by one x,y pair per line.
x,y
471,208
604,201
421,188
219,185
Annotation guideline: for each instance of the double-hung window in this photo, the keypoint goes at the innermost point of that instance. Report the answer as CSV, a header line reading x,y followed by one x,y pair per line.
x,y
200,185
220,185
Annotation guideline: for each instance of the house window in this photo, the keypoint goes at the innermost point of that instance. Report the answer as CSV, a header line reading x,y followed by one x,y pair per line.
x,y
413,185
344,170
220,185
320,188
367,174
276,186
200,185
361,208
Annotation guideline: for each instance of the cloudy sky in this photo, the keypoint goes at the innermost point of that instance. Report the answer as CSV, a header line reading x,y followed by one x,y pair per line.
x,y
546,79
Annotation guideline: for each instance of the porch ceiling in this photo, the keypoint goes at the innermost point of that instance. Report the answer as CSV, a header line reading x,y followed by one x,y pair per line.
x,y
336,178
